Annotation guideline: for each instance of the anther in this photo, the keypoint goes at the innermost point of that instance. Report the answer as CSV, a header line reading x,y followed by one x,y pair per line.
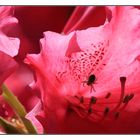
x,y
93,100
90,110
106,110
131,96
108,95
126,99
122,79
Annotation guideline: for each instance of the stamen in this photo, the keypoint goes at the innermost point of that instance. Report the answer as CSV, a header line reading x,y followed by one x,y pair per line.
x,y
106,111
108,95
80,98
117,114
126,99
93,100
122,80
90,110
131,96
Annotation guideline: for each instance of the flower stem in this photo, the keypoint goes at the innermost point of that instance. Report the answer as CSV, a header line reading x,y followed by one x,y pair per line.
x,y
9,127
18,108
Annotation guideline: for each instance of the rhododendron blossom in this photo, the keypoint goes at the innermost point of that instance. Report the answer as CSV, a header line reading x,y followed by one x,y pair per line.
x,y
8,45
8,48
110,52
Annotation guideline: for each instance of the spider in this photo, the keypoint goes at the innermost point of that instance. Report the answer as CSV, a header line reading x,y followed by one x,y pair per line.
x,y
91,80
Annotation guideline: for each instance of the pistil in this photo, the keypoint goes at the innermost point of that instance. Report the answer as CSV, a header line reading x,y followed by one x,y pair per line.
x,y
122,80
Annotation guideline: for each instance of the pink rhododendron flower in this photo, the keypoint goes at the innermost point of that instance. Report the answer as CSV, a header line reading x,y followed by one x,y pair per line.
x,y
108,102
8,48
8,45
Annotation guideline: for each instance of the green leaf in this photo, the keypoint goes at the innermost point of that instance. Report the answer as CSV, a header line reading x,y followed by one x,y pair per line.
x,y
18,108
9,127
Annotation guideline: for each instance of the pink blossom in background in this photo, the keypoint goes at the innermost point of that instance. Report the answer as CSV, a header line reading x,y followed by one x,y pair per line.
x,y
8,45
8,49
110,52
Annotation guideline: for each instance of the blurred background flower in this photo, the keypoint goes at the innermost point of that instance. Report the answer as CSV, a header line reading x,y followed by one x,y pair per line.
x,y
9,46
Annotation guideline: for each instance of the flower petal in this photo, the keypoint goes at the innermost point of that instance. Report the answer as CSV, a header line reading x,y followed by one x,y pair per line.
x,y
36,19
5,11
124,45
7,66
9,45
31,116
20,86
6,18
84,17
